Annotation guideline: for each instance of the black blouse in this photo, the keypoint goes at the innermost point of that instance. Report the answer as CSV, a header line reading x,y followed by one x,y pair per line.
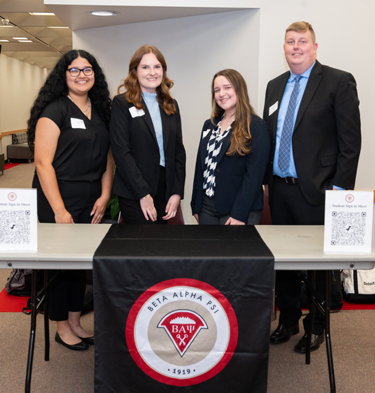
x,y
83,144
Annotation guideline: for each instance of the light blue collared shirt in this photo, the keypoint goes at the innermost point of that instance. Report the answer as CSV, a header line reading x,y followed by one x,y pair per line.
x,y
154,109
291,170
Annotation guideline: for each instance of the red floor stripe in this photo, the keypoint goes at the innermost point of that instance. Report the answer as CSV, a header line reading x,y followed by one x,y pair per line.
x,y
7,166
11,303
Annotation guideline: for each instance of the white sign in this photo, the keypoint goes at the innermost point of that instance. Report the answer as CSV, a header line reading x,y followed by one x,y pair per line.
x,y
18,220
348,221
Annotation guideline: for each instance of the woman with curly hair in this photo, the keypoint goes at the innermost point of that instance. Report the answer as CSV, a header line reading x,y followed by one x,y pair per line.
x,y
146,141
232,157
68,131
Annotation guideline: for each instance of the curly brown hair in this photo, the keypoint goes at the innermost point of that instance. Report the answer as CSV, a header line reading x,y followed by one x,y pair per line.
x,y
133,90
240,139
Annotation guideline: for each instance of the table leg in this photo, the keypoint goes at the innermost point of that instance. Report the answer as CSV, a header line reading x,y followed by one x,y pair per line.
x,y
312,308
32,330
46,320
328,332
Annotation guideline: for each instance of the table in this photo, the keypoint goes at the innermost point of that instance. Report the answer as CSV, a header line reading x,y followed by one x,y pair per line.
x,y
293,247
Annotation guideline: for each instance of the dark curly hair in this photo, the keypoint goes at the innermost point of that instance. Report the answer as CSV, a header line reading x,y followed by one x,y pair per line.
x,y
55,86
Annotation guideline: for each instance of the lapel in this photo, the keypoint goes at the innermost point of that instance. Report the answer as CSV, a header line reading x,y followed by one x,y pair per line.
x,y
165,120
204,141
312,85
148,121
279,92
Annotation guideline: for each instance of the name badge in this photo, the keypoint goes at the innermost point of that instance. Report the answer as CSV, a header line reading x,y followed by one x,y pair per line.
x,y
136,112
273,108
77,123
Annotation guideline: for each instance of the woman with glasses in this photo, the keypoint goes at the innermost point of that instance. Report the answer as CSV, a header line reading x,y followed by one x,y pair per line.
x,y
232,157
146,141
68,131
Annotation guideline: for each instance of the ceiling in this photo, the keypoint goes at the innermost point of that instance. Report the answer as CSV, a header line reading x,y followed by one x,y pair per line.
x,y
77,16
48,44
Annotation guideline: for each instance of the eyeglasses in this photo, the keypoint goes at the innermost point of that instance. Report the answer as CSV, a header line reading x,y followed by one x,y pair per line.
x,y
74,72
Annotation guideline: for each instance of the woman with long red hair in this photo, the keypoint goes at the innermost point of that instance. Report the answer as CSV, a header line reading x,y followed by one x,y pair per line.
x,y
146,140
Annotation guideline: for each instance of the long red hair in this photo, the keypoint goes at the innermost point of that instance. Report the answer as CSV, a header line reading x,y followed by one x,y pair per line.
x,y
133,90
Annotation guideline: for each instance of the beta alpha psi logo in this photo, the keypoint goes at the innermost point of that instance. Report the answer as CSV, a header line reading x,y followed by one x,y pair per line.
x,y
182,326
181,332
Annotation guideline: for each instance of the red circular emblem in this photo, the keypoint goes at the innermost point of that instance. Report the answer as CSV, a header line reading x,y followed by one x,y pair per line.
x,y
349,198
12,196
181,332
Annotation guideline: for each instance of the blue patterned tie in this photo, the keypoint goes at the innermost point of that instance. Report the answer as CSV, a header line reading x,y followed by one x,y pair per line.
x,y
286,135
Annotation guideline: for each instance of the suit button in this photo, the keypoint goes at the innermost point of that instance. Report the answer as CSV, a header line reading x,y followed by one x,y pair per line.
x,y
218,170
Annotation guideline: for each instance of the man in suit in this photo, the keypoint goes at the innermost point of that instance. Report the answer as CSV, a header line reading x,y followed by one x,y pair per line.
x,y
313,117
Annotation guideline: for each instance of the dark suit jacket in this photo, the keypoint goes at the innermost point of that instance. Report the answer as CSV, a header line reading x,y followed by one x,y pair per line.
x,y
327,134
136,152
238,188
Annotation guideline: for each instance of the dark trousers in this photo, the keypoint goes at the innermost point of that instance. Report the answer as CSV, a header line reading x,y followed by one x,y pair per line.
x,y
210,216
79,198
289,207
131,211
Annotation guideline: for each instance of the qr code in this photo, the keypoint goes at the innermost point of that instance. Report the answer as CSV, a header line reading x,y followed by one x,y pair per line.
x,y
348,229
15,227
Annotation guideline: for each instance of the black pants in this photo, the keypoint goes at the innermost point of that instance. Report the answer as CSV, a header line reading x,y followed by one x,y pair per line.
x,y
79,198
289,207
210,216
131,211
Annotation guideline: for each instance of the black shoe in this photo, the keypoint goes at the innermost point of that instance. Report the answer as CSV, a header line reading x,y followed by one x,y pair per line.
x,y
88,340
316,340
283,333
76,347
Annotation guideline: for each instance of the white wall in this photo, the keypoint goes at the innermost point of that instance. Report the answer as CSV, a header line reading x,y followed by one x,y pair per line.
x,y
195,48
19,83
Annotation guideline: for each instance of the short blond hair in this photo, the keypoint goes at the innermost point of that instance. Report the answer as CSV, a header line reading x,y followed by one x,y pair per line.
x,y
301,27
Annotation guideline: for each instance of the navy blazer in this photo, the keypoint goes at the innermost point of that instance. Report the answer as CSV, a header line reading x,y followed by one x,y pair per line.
x,y
327,133
136,151
238,188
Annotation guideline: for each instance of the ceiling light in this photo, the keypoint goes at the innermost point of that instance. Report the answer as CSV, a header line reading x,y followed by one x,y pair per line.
x,y
19,38
4,40
41,13
58,27
24,41
104,13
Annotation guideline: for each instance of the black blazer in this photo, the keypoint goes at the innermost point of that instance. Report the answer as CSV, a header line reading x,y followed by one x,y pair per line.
x,y
327,134
238,188
136,152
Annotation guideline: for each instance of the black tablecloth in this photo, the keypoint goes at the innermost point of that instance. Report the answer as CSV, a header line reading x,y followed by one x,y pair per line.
x,y
182,309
